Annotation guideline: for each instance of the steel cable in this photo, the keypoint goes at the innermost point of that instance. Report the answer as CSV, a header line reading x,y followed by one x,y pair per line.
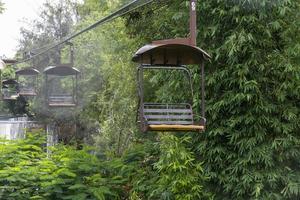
x,y
135,4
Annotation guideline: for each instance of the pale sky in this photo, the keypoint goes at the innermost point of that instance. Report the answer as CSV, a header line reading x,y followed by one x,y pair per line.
x,y
16,15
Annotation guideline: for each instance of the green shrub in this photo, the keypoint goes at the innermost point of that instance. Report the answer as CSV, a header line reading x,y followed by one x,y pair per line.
x,y
27,172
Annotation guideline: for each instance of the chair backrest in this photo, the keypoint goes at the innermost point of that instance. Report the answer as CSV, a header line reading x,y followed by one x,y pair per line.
x,y
27,90
177,114
61,99
9,92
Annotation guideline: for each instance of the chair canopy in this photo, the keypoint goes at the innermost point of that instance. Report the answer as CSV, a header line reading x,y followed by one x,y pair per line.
x,y
61,70
9,61
10,82
27,71
170,54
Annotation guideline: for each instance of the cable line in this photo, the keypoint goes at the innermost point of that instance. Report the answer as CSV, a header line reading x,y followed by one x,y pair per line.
x,y
135,4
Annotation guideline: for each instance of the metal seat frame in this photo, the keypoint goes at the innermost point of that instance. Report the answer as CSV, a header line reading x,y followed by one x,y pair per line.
x,y
166,116
28,73
63,100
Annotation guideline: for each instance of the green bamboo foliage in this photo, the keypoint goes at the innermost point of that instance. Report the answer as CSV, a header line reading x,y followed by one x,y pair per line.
x,y
180,174
251,147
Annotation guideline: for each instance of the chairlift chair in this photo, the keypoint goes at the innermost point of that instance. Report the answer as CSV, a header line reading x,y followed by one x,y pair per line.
x,y
171,54
10,89
55,74
28,81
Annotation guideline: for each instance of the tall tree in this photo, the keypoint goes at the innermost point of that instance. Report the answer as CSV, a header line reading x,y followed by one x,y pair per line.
x,y
55,22
57,19
1,7
109,84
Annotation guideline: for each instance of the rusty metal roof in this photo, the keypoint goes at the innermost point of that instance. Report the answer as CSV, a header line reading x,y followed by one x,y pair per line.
x,y
61,70
27,71
9,61
170,53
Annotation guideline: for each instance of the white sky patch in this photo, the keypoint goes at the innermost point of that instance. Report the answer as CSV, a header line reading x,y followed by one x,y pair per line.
x,y
17,14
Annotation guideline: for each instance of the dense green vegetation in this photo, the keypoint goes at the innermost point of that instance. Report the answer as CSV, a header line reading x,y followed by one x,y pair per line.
x,y
28,170
251,148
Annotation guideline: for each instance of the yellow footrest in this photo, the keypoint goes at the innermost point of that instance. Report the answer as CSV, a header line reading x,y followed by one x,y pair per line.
x,y
168,127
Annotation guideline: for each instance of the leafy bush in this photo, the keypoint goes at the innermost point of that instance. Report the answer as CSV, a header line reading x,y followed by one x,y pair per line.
x,y
161,171
28,172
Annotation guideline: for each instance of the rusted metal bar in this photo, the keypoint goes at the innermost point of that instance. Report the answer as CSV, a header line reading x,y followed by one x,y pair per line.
x,y
74,96
71,54
141,83
180,111
143,124
202,90
193,23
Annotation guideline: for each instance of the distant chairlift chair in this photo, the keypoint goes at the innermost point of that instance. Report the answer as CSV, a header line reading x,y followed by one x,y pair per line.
x,y
58,97
172,54
28,81
10,89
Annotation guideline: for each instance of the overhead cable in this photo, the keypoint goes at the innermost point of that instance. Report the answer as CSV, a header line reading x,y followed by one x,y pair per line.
x,y
135,4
